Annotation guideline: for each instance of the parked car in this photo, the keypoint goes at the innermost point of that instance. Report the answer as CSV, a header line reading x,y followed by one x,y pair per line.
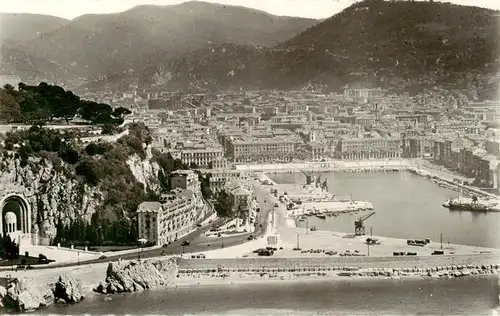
x,y
186,243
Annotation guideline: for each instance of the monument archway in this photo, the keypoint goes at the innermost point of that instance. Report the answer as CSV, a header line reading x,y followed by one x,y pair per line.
x,y
20,207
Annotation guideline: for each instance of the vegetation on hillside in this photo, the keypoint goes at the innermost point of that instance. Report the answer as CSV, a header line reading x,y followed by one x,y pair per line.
x,y
96,164
371,43
45,103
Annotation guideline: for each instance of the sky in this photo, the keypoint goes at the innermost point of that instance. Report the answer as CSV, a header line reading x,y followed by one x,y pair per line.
x,y
317,9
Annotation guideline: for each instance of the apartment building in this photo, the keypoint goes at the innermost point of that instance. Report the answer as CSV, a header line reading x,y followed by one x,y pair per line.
x,y
251,149
363,95
242,193
201,157
186,180
369,148
174,216
492,146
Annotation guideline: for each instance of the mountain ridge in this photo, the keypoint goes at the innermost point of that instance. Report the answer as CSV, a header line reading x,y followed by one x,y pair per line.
x,y
371,41
16,27
95,46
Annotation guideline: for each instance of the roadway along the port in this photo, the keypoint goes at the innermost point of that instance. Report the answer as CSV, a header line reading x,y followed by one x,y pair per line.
x,y
198,243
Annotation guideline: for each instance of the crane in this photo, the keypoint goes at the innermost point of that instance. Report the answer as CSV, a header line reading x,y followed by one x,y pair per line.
x,y
309,177
359,224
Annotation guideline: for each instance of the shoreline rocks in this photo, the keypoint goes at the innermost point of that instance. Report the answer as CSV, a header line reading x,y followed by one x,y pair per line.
x,y
28,295
135,276
68,290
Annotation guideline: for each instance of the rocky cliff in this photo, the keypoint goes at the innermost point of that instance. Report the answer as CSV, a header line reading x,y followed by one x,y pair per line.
x,y
138,275
55,192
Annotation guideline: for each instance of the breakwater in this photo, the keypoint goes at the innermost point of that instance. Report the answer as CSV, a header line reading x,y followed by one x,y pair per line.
x,y
361,262
444,266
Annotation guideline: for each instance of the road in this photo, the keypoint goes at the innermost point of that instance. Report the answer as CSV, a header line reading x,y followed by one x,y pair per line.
x,y
198,243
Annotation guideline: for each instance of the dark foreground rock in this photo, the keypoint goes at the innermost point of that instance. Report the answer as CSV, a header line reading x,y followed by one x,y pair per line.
x,y
27,295
136,276
68,290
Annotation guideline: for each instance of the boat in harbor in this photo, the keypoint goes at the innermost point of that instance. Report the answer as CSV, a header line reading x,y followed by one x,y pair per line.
x,y
470,204
322,216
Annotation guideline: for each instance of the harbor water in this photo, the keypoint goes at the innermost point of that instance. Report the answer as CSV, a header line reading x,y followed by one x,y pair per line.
x,y
468,296
406,205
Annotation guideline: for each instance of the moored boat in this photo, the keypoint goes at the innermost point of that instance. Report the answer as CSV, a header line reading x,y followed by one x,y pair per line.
x,y
460,204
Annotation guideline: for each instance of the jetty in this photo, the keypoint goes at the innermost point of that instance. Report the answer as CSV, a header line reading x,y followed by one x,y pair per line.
x,y
313,199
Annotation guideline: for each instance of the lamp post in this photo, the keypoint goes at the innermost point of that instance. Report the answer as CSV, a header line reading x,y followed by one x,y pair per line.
x,y
222,238
140,242
78,254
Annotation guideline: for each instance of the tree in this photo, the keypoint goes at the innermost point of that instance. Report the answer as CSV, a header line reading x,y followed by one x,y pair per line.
x,y
10,248
10,110
206,191
224,204
121,112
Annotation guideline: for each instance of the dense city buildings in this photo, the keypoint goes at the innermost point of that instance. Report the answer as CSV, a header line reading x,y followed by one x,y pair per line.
x,y
214,131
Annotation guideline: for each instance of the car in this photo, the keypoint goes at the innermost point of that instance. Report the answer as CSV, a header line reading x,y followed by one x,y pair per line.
x,y
102,257
186,243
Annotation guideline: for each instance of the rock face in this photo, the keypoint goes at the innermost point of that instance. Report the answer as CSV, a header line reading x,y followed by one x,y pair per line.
x,y
54,192
137,276
145,170
27,295
68,290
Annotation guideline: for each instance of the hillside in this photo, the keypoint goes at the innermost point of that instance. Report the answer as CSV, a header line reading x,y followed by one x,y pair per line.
x,y
102,45
31,69
25,26
369,43
403,39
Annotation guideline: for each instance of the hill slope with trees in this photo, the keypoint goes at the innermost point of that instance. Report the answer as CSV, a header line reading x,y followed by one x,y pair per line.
x,y
372,42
